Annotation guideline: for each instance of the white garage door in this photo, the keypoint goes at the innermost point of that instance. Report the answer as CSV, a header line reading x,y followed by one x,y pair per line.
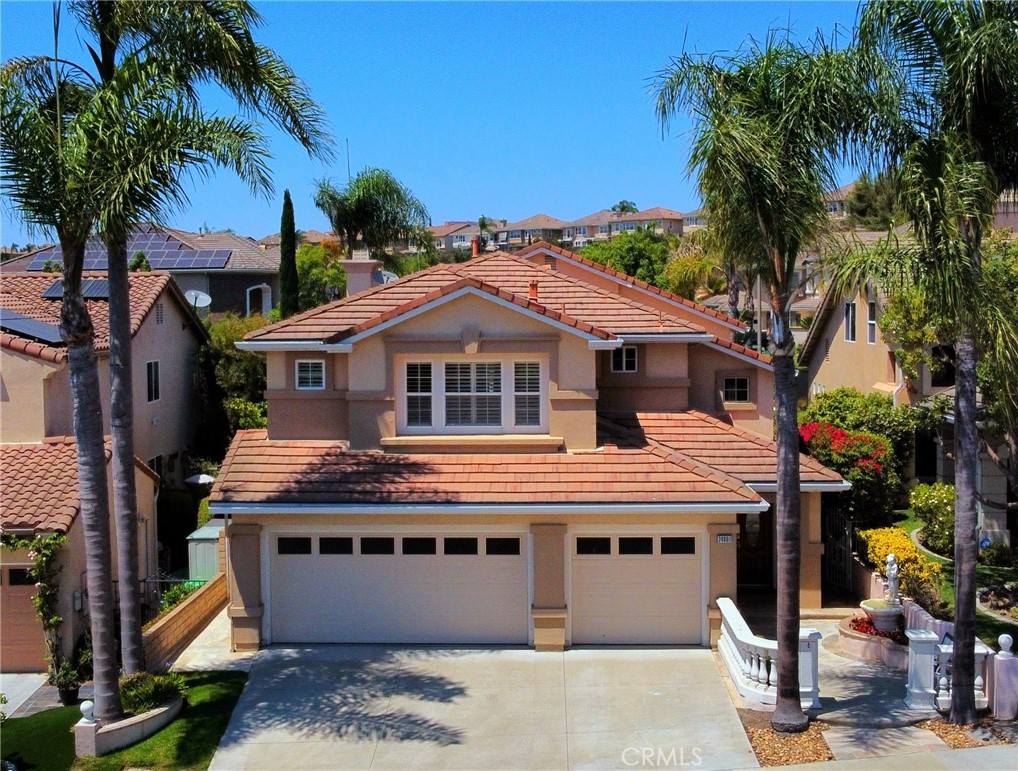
x,y
399,588
636,590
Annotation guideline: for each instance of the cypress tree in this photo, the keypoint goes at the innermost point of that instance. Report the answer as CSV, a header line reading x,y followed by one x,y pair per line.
x,y
288,288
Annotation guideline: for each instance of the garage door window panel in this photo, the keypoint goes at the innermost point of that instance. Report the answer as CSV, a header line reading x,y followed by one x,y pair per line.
x,y
460,546
632,545
333,545
678,545
591,545
292,545
377,545
19,577
416,545
502,547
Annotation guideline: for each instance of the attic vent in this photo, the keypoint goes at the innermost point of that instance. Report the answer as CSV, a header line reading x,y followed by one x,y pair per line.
x,y
551,262
827,349
159,313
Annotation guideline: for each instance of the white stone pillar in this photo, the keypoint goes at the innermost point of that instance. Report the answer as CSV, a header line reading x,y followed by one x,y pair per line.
x,y
920,693
809,668
1005,680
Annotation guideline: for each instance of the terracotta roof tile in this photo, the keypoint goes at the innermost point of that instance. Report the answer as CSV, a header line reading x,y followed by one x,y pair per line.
x,y
40,484
538,221
735,451
558,250
257,470
22,293
561,297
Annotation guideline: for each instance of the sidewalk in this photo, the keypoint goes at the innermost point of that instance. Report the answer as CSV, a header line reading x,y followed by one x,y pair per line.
x,y
210,650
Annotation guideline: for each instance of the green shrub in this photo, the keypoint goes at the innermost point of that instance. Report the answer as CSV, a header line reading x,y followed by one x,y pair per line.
x,y
245,414
998,554
1014,612
177,593
204,515
143,691
934,506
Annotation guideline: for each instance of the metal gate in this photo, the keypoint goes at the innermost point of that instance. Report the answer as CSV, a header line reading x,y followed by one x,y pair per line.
x,y
838,532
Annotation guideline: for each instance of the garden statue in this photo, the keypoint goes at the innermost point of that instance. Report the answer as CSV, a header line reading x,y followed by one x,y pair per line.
x,y
893,597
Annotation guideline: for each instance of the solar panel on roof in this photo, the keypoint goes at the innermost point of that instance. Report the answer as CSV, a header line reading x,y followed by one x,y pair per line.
x,y
23,326
91,289
54,291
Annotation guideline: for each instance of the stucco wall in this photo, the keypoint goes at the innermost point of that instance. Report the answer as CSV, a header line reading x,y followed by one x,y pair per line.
x,y
660,384
705,367
22,396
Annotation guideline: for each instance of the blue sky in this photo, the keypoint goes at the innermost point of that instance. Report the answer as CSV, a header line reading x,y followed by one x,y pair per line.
x,y
501,109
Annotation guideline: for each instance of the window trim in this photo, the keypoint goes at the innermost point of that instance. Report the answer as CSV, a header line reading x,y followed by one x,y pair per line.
x,y
871,322
296,374
636,360
719,386
508,394
724,389
850,322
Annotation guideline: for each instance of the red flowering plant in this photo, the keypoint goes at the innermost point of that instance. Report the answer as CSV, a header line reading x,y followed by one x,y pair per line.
x,y
864,625
866,460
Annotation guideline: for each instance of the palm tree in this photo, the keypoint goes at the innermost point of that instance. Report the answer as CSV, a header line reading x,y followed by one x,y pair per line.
x,y
958,136
768,122
70,164
373,209
625,207
484,225
190,43
697,264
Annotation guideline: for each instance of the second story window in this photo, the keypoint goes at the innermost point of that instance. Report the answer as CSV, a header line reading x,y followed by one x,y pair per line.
x,y
310,375
152,373
736,389
850,322
514,234
463,397
871,323
582,230
602,228
569,233
625,359
473,394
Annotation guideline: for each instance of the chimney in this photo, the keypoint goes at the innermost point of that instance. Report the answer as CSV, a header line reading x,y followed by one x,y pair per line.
x,y
533,290
475,244
361,274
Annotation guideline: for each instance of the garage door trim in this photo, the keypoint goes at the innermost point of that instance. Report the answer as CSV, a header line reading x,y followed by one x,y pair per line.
x,y
702,550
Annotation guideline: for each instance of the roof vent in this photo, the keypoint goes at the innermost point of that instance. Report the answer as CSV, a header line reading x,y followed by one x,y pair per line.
x,y
533,290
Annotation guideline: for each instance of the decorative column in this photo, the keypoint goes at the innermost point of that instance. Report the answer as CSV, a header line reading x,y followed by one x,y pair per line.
x,y
245,577
549,610
920,693
1005,680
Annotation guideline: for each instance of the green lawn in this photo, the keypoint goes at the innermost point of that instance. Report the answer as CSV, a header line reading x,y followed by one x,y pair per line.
x,y
988,628
44,741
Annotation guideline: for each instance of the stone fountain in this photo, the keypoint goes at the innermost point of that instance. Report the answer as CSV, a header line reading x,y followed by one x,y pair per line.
x,y
884,613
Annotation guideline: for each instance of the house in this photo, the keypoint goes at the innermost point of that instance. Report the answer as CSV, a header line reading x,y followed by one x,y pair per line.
x,y
837,201
694,220
452,235
520,449
35,389
303,237
846,348
39,496
606,224
515,235
239,275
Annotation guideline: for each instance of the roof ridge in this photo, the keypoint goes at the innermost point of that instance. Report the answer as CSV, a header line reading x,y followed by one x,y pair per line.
x,y
562,251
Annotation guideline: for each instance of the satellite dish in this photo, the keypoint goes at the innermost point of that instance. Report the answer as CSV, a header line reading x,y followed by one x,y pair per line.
x,y
388,278
198,299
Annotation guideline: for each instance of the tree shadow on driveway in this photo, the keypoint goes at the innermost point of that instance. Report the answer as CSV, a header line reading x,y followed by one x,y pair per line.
x,y
338,693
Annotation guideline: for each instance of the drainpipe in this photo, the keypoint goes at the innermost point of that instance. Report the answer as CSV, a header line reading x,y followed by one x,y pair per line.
x,y
900,388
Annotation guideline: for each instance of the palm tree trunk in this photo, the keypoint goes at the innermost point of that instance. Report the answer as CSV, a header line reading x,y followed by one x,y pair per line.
x,y
76,328
966,469
733,293
788,715
125,497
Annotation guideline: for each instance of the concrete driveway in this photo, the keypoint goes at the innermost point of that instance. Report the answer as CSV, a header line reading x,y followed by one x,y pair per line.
x,y
368,707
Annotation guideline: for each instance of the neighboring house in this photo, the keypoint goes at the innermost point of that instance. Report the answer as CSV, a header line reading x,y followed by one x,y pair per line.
x,y
837,201
39,496
694,220
519,449
235,271
303,237
846,348
452,235
606,224
35,390
515,235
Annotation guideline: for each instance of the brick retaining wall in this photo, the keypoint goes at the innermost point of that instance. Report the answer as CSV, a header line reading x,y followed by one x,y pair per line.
x,y
165,640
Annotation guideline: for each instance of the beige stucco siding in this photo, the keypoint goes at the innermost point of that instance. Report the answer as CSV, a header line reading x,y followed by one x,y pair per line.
x,y
660,384
23,394
707,369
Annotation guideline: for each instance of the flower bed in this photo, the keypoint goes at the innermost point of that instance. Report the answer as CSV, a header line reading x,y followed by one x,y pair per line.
x,y
864,625
871,647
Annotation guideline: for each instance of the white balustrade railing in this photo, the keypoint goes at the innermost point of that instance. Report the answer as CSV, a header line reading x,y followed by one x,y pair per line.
x,y
752,661
929,671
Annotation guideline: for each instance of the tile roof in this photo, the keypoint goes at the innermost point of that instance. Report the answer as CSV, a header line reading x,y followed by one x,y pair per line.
x,y
257,470
841,194
597,218
448,228
739,453
245,252
560,297
22,293
658,213
40,484
304,237
701,212
558,250
538,221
